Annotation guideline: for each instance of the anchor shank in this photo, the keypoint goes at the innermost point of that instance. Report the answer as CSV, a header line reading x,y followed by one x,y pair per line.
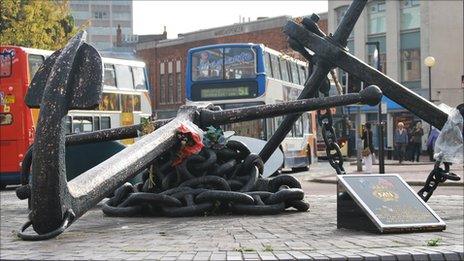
x,y
371,95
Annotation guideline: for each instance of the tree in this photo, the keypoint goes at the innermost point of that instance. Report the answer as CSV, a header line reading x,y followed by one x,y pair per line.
x,y
36,24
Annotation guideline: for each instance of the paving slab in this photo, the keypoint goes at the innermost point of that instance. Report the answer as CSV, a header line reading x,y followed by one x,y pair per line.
x,y
288,236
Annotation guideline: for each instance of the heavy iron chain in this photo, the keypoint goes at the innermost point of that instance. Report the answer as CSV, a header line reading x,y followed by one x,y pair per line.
x,y
325,120
437,175
226,180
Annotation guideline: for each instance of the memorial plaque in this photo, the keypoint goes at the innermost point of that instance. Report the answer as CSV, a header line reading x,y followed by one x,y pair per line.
x,y
382,203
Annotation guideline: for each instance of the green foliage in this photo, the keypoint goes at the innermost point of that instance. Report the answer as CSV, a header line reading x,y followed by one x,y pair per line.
x,y
268,248
36,24
245,249
433,241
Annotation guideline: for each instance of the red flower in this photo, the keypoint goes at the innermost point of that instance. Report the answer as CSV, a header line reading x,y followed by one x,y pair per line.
x,y
191,143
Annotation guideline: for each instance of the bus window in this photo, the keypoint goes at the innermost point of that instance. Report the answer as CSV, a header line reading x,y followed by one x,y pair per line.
x,y
82,124
68,125
284,70
298,128
207,65
6,64
109,102
295,76
275,67
267,62
124,77
6,118
239,63
127,103
109,77
35,61
136,101
96,123
105,123
302,71
139,78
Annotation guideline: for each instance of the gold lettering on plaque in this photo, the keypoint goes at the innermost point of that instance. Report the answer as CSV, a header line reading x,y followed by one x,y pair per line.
x,y
384,191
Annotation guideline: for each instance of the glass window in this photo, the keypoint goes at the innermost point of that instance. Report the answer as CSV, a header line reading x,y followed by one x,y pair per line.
x,y
239,63
381,55
207,65
171,87
410,14
127,103
105,123
109,102
267,62
109,77
275,67
124,77
96,123
295,76
298,128
284,70
410,65
6,118
139,78
376,17
179,86
302,72
162,89
68,125
137,104
6,63
82,124
35,61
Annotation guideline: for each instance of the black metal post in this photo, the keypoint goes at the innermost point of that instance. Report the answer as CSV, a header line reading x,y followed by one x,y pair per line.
x,y
380,125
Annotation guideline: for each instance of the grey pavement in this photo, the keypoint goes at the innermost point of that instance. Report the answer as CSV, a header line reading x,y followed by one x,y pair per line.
x,y
413,173
288,236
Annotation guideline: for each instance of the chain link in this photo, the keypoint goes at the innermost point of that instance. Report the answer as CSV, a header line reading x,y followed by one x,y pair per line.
x,y
437,175
332,149
225,180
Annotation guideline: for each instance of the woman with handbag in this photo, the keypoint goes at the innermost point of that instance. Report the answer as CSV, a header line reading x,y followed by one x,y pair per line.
x,y
368,150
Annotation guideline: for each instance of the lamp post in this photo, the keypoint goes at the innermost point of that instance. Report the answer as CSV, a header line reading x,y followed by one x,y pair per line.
x,y
429,61
380,125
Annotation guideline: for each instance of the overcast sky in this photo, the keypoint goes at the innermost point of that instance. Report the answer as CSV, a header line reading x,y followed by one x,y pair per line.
x,y
188,16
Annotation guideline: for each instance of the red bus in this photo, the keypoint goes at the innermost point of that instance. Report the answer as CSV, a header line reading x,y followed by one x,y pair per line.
x,y
125,101
17,121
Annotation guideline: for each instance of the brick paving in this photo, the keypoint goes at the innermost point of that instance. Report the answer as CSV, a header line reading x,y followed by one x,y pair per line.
x,y
289,236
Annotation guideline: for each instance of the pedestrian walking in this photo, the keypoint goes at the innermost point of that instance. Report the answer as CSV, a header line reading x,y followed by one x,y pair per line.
x,y
416,140
368,151
400,139
431,142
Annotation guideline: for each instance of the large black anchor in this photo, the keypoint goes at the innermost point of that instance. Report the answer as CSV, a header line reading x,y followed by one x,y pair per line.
x,y
72,79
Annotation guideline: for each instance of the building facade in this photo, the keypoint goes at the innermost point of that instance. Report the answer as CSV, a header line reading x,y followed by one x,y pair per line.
x,y
166,59
103,18
409,31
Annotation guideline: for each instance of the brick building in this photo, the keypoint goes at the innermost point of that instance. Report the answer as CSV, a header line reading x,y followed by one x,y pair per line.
x,y
166,59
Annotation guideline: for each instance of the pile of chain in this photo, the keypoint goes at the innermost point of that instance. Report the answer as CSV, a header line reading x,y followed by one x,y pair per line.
x,y
225,180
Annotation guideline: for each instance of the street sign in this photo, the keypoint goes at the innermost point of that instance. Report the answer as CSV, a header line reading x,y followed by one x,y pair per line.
x,y
382,203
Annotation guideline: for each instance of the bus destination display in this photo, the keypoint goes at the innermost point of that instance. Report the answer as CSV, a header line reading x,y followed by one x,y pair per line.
x,y
240,91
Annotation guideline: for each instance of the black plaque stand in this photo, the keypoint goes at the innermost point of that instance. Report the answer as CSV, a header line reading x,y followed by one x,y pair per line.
x,y
382,203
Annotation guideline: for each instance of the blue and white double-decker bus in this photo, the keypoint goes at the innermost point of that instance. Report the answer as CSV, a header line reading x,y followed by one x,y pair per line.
x,y
246,74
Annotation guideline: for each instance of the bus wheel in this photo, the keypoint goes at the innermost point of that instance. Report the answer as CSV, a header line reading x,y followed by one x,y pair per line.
x,y
2,186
